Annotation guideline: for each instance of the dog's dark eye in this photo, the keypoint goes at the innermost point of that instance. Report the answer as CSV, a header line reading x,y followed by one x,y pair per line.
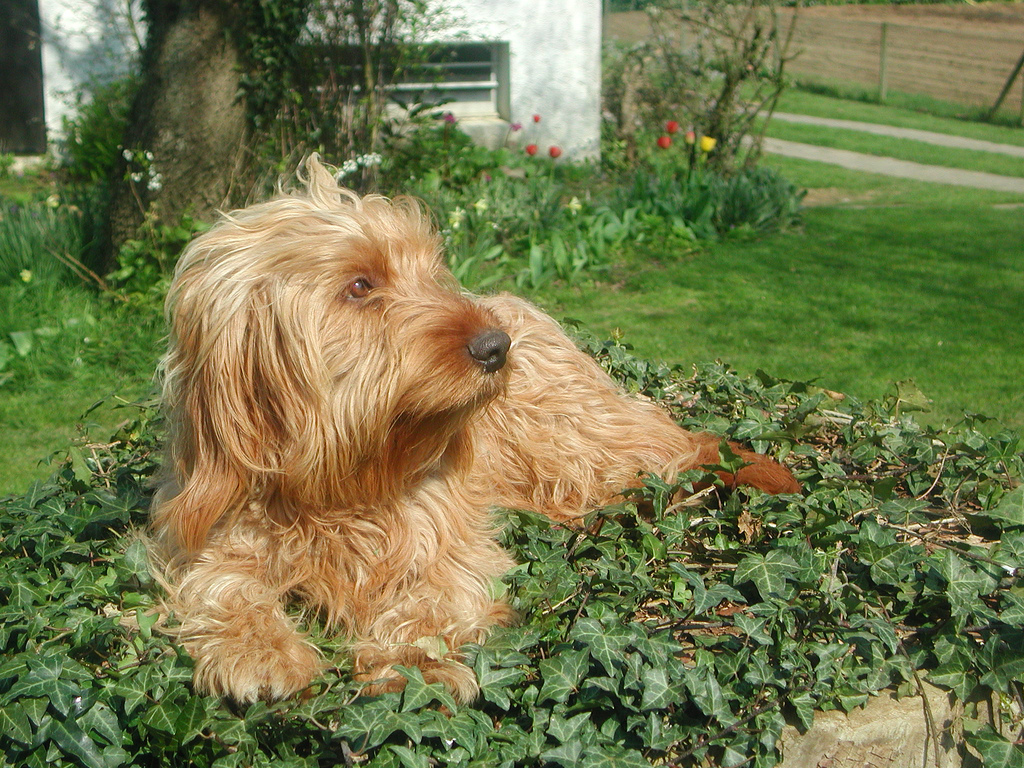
x,y
359,288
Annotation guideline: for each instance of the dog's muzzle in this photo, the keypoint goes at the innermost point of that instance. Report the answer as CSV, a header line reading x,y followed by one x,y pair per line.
x,y
490,349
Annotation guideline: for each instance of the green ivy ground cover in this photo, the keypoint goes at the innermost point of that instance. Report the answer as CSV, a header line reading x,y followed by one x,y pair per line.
x,y
664,633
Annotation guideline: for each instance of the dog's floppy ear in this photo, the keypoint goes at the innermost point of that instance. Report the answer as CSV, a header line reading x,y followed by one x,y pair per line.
x,y
244,407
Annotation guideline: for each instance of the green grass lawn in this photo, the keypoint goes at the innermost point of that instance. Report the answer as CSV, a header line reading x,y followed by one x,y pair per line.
x,y
857,300
81,351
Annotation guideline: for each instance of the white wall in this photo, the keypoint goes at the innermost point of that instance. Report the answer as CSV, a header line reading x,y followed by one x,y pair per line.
x,y
84,42
555,52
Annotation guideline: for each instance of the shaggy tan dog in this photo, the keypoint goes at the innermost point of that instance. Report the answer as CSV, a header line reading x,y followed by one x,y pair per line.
x,y
343,417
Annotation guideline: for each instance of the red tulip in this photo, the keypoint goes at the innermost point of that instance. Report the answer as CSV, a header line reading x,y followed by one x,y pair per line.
x,y
664,142
554,152
671,126
531,149
536,118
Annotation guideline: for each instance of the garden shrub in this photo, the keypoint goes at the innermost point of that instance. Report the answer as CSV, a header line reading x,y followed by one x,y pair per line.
x,y
93,134
659,633
714,67
703,204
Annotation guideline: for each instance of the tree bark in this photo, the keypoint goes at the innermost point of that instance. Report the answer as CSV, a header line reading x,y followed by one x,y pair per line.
x,y
186,142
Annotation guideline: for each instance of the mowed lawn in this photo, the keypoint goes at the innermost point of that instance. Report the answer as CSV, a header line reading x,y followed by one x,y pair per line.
x,y
887,280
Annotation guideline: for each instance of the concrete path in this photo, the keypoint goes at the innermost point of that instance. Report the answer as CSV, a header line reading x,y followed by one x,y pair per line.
x,y
930,137
905,169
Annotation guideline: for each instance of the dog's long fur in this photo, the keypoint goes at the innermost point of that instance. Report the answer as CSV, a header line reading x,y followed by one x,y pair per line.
x,y
343,417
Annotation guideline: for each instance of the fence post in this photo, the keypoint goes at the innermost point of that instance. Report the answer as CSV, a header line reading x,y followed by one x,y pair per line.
x,y
883,63
1006,88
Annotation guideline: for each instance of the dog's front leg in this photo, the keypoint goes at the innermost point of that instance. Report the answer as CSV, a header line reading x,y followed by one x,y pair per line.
x,y
417,634
435,588
233,623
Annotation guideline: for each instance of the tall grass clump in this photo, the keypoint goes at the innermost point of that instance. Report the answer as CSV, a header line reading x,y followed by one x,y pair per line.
x,y
42,242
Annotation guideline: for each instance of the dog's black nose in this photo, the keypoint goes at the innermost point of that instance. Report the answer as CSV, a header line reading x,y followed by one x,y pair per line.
x,y
490,349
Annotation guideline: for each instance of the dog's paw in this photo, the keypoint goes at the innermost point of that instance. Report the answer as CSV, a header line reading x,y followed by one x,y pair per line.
x,y
457,678
269,667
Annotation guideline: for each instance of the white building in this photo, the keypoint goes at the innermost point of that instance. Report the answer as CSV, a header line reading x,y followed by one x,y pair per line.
x,y
546,58
512,59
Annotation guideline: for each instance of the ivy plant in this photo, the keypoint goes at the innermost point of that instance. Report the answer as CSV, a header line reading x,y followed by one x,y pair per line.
x,y
674,628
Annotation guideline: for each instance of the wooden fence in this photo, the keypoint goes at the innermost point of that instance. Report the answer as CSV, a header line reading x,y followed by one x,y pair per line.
x,y
963,67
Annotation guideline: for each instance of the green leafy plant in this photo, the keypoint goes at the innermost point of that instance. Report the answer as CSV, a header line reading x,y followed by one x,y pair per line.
x,y
715,67
145,263
93,134
659,632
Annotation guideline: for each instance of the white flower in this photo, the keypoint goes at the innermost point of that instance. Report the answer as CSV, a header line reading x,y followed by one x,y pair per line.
x,y
456,217
347,169
480,205
156,182
149,156
127,155
53,201
369,160
137,177
25,275
574,205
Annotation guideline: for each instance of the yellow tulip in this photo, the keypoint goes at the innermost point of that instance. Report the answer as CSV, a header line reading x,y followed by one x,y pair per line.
x,y
707,143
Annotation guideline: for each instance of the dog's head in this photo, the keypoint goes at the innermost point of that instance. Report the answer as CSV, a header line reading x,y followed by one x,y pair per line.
x,y
321,355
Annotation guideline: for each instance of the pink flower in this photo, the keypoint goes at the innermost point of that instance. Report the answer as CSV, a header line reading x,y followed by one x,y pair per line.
x,y
516,126
449,118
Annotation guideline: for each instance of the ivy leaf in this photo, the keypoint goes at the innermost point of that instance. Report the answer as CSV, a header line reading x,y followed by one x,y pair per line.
x,y
612,756
658,692
565,729
371,723
955,674
707,694
566,754
753,627
418,693
804,704
1012,604
47,677
605,643
561,674
1007,667
101,720
769,573
995,750
162,717
1010,509
890,563
15,725
408,758
73,741
189,722
964,584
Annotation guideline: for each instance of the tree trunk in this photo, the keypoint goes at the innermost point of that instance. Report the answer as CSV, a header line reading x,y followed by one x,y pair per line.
x,y
187,137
